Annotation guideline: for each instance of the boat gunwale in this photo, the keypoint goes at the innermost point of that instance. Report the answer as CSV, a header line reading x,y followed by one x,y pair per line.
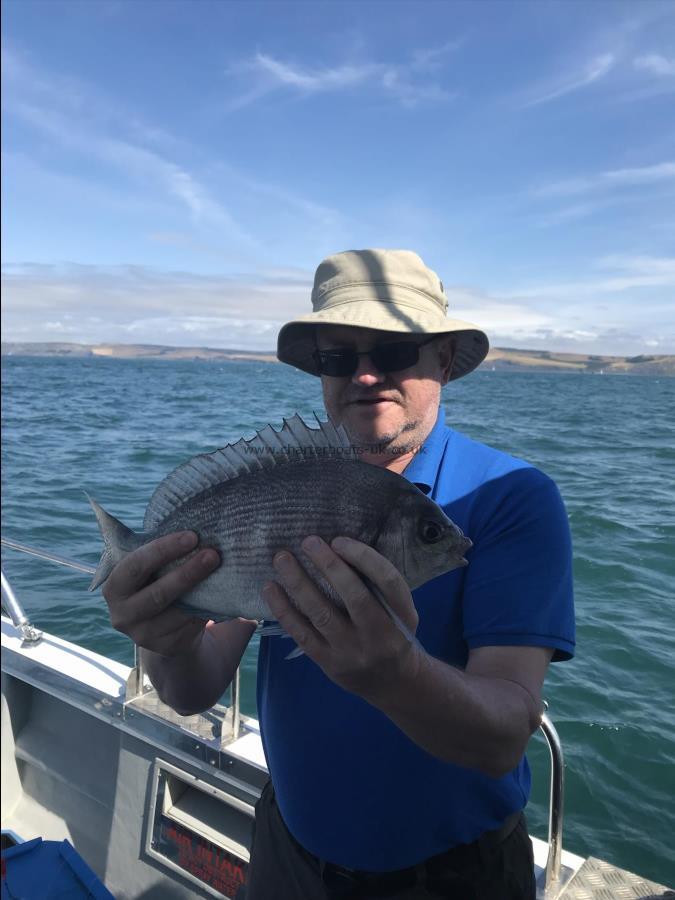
x,y
238,763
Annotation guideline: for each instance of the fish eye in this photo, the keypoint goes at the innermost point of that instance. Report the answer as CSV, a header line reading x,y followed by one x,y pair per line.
x,y
431,532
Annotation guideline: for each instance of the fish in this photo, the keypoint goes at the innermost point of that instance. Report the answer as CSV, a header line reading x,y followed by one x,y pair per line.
x,y
255,497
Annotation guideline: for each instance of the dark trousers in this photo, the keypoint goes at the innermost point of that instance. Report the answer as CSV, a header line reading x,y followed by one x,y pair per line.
x,y
487,869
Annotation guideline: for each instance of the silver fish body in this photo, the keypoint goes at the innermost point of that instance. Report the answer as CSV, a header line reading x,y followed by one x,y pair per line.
x,y
263,508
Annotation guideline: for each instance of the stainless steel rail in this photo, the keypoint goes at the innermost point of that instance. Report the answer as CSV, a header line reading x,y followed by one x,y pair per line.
x,y
553,879
50,557
30,634
136,683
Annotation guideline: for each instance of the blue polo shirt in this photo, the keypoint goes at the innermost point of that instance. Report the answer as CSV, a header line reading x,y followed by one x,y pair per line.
x,y
351,786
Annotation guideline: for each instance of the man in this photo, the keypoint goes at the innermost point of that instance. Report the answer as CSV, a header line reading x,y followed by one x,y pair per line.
x,y
397,768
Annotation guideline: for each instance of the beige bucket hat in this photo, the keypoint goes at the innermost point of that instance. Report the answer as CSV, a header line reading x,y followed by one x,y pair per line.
x,y
389,290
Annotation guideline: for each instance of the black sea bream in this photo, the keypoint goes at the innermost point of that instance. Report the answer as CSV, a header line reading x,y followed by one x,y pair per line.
x,y
254,498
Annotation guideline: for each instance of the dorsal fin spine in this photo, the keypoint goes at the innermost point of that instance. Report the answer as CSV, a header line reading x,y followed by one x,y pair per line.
x,y
269,448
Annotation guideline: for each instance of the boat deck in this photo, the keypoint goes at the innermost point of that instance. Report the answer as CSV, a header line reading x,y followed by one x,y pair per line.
x,y
600,880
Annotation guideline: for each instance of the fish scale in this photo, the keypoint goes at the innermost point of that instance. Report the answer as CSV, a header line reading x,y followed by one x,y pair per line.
x,y
299,481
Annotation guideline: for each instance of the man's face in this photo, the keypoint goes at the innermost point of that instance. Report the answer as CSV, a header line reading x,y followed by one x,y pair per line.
x,y
396,409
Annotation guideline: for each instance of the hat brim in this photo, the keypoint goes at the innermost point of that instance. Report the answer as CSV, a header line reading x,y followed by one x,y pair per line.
x,y
296,343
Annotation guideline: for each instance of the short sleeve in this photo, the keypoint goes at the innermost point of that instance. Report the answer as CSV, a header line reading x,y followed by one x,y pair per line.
x,y
518,585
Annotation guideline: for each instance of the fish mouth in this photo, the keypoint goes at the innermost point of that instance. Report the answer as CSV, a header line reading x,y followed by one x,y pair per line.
x,y
465,544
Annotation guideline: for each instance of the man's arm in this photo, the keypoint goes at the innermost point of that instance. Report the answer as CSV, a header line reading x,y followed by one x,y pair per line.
x,y
480,717
189,662
192,682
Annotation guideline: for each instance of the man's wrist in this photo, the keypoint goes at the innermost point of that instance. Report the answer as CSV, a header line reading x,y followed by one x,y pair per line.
x,y
390,692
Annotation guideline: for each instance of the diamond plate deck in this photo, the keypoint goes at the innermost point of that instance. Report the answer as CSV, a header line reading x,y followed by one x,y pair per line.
x,y
599,880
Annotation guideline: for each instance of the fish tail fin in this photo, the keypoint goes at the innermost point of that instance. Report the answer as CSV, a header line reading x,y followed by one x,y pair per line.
x,y
118,540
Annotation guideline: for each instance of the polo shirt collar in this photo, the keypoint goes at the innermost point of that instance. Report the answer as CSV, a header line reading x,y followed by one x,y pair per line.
x,y
423,468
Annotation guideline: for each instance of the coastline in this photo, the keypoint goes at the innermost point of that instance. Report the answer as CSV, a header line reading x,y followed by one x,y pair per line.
x,y
501,359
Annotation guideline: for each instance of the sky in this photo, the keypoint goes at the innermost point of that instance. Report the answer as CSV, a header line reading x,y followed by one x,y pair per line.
x,y
173,172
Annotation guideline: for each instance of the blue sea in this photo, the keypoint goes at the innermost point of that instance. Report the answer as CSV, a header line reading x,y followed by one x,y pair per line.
x,y
114,428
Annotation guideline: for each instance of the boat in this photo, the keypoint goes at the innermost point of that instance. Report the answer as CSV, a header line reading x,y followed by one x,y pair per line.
x,y
160,805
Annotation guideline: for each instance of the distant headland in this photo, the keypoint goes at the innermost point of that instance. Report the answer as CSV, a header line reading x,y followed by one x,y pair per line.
x,y
499,359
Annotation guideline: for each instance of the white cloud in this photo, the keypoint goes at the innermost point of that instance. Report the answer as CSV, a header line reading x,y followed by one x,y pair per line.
x,y
656,64
50,90
146,304
496,315
522,320
55,107
616,178
398,83
319,80
644,175
134,304
152,179
593,71
630,272
282,196
663,267
403,82
145,166
433,57
567,214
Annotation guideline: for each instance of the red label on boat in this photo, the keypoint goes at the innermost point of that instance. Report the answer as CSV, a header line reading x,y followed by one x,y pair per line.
x,y
221,869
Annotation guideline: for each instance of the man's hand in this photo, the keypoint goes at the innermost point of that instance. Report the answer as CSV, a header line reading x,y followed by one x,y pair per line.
x,y
139,605
480,717
360,648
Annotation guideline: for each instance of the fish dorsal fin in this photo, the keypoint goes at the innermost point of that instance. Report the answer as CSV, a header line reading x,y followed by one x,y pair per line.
x,y
269,448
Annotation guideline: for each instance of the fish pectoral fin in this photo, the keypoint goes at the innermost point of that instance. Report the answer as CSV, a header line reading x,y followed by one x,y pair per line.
x,y
271,629
394,616
274,629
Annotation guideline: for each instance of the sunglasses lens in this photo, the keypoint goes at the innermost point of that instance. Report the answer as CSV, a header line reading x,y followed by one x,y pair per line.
x,y
337,363
392,357
395,357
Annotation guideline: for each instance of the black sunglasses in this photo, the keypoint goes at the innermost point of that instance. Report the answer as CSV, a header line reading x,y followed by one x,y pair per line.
x,y
391,357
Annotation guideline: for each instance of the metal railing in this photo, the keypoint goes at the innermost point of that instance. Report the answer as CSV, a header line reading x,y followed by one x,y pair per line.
x,y
136,682
553,879
29,633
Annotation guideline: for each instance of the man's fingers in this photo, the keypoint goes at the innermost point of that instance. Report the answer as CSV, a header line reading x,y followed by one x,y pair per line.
x,y
292,621
170,633
383,574
153,599
135,570
311,601
362,607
